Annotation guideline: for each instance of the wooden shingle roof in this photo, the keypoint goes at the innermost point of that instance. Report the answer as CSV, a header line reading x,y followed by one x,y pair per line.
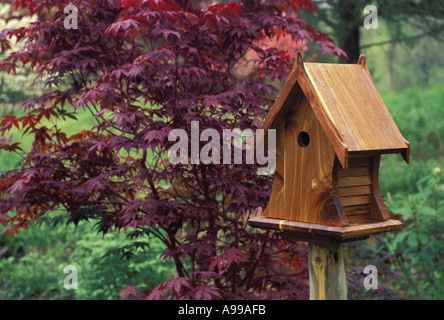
x,y
346,103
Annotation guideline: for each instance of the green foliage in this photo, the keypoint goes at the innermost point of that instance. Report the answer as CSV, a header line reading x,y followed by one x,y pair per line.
x,y
416,192
419,246
102,278
34,276
416,112
71,125
397,177
35,268
19,86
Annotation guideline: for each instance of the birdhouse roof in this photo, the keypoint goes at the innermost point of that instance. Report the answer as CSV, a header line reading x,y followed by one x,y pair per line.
x,y
347,105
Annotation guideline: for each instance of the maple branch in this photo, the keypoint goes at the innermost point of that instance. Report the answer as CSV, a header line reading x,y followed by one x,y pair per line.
x,y
171,244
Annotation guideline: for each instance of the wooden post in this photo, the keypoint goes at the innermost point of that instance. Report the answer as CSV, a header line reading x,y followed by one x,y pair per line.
x,y
326,272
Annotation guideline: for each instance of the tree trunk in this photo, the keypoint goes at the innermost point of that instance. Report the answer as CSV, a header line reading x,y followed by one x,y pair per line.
x,y
350,21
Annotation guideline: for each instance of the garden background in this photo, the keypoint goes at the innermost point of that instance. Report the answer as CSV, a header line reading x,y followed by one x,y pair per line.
x,y
404,56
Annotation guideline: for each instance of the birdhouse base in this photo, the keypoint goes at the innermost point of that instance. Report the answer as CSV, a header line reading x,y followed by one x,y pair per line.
x,y
315,233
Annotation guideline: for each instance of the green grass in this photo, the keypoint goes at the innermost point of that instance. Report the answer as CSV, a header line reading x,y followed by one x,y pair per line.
x,y
9,161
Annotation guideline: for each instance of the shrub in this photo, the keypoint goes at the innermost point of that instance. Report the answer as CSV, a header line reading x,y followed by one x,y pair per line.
x,y
144,68
34,262
419,246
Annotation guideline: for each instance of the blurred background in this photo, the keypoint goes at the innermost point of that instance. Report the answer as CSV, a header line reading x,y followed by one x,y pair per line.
x,y
403,41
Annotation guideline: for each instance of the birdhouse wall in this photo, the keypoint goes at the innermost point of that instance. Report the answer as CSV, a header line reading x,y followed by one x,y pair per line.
x,y
358,189
302,188
354,188
275,207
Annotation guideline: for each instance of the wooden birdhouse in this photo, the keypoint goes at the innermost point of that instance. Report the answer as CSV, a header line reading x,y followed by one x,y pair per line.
x,y
331,129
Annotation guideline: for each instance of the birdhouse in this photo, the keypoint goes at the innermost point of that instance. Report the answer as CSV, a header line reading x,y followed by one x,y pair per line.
x,y
332,127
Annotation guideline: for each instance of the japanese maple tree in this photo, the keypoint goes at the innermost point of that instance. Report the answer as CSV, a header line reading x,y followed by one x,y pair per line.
x,y
143,68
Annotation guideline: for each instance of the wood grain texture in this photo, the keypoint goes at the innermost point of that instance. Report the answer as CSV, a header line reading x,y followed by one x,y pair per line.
x,y
354,188
350,99
355,171
378,209
357,219
275,207
333,213
354,181
358,190
280,141
307,170
327,279
358,210
325,234
356,200
354,191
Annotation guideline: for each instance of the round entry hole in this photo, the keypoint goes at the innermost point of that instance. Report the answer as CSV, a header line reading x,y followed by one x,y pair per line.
x,y
303,139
